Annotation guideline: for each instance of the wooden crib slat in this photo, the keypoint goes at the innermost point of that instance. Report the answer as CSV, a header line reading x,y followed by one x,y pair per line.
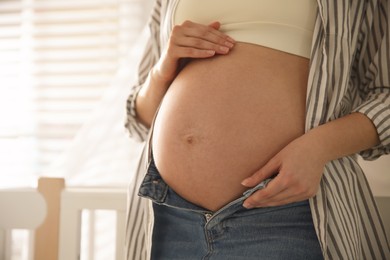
x,y
47,235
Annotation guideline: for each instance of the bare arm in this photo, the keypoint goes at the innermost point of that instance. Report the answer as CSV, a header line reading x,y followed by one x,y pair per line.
x,y
149,99
189,40
300,164
344,136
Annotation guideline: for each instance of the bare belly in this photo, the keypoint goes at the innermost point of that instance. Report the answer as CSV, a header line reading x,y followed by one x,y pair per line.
x,y
223,118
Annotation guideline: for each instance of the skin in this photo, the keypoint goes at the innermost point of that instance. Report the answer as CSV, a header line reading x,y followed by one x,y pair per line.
x,y
299,164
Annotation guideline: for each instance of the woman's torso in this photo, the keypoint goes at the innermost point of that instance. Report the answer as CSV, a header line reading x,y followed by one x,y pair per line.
x,y
224,117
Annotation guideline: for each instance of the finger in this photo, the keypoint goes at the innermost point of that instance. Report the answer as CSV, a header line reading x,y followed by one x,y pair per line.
x,y
187,52
202,45
211,35
216,25
204,32
289,192
272,190
281,198
178,39
178,48
268,170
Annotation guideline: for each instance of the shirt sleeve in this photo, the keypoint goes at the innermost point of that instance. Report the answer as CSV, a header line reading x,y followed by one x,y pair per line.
x,y
373,73
137,130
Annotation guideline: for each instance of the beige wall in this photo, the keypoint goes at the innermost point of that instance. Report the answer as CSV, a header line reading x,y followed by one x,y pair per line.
x,y
378,175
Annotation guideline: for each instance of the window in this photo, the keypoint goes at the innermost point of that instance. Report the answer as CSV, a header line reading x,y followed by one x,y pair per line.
x,y
56,59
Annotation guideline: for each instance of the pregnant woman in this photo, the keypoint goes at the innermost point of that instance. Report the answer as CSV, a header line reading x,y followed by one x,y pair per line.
x,y
253,112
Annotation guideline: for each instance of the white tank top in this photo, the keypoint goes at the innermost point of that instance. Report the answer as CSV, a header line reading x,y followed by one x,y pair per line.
x,y
285,25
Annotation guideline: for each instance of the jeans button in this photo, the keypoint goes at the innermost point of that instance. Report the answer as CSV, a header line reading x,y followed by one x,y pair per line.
x,y
208,216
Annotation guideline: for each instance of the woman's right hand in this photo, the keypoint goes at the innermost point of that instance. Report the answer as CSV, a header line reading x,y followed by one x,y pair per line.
x,y
191,40
188,40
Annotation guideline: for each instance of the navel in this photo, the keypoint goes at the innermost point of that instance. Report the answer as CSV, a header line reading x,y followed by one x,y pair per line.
x,y
191,139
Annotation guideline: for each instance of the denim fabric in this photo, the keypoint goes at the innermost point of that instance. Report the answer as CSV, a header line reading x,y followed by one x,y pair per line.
x,y
183,230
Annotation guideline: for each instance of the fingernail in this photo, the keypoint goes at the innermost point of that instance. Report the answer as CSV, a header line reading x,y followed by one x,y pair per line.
x,y
229,44
224,49
245,182
247,205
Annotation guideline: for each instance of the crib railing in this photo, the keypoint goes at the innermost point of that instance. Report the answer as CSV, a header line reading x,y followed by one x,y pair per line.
x,y
60,209
20,209
73,202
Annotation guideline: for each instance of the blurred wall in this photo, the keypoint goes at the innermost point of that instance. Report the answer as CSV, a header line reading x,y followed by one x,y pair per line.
x,y
378,175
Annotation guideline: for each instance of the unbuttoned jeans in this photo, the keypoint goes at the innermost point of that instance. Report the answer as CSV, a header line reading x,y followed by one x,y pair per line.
x,y
186,231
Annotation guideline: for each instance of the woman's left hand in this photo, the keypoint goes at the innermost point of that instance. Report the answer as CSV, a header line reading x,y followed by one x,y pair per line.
x,y
298,168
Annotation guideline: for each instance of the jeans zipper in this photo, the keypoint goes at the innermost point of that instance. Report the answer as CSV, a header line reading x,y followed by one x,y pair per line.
x,y
208,216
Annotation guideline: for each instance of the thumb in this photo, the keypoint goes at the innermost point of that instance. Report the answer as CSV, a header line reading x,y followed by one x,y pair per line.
x,y
216,25
268,170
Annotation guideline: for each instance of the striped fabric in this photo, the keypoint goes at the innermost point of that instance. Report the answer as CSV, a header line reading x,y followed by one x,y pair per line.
x,y
349,72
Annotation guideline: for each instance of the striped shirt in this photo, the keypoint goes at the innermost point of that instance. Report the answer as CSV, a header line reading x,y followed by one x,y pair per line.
x,y
349,72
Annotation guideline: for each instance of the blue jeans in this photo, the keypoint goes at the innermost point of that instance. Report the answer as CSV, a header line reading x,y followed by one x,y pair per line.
x,y
183,230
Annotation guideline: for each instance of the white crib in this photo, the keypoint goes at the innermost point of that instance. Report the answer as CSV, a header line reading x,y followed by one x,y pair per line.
x,y
53,214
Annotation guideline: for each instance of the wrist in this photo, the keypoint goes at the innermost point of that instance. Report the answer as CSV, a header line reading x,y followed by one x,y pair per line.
x,y
316,146
158,78
165,71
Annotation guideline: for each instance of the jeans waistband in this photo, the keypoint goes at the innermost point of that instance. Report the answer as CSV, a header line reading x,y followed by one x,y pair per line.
x,y
153,187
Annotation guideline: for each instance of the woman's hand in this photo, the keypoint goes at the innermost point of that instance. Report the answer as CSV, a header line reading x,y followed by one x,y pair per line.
x,y
191,40
299,168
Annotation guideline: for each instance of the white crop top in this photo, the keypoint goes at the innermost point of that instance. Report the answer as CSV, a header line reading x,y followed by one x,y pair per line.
x,y
279,24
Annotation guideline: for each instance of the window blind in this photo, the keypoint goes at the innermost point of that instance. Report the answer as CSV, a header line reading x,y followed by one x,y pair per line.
x,y
56,59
